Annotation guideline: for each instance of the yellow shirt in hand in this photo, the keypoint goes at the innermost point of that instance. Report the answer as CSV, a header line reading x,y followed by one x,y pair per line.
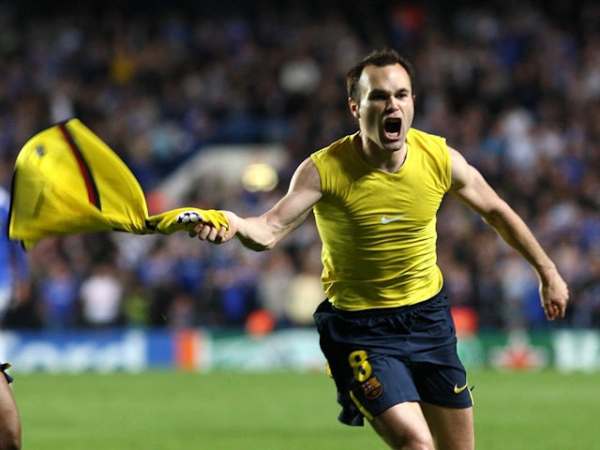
x,y
378,228
67,181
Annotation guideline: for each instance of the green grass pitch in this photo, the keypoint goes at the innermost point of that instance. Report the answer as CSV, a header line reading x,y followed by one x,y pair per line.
x,y
282,411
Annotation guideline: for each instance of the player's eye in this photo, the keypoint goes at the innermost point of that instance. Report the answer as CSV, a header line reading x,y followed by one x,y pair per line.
x,y
378,96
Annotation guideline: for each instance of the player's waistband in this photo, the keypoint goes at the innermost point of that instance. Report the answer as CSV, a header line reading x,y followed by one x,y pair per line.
x,y
327,306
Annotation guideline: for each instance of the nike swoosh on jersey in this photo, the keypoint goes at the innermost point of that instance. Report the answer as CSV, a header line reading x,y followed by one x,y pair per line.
x,y
458,390
385,219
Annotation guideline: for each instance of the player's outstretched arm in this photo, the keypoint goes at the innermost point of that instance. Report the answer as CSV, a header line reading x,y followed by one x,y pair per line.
x,y
471,188
263,232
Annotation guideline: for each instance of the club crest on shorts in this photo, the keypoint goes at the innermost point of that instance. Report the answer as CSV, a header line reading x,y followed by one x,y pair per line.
x,y
372,388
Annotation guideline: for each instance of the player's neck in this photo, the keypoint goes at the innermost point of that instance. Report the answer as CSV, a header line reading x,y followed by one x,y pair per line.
x,y
379,158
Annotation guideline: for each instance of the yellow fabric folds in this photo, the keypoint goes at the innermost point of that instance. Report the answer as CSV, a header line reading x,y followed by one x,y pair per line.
x,y
67,180
183,219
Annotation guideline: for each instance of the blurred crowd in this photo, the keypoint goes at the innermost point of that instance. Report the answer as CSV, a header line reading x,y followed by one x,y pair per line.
x,y
514,88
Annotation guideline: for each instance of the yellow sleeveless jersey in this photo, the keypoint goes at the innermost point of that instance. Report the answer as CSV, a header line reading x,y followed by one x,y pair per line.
x,y
378,228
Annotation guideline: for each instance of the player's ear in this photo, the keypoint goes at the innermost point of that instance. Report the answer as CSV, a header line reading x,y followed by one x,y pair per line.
x,y
353,105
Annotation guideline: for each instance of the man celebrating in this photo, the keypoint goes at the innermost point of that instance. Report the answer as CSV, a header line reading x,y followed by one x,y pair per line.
x,y
386,328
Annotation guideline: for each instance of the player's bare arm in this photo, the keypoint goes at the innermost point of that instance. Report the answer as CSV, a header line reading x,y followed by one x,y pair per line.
x,y
264,232
472,189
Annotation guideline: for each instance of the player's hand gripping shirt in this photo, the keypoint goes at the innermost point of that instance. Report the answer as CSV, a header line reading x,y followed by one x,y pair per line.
x,y
67,180
378,228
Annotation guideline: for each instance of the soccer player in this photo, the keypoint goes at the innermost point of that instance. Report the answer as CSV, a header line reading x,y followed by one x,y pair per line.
x,y
386,328
10,424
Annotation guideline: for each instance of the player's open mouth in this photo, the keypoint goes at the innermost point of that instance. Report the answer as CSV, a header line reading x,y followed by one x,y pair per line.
x,y
392,128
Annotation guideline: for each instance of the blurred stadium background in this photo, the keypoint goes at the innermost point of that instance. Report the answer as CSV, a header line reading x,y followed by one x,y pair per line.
x,y
213,104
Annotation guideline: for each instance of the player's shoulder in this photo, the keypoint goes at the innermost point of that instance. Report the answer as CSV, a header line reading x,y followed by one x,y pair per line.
x,y
424,137
433,154
335,150
336,164
430,144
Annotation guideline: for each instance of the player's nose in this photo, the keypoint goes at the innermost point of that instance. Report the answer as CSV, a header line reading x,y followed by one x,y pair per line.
x,y
392,104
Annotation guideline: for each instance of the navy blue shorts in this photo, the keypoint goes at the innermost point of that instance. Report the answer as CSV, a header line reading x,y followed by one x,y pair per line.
x,y
381,357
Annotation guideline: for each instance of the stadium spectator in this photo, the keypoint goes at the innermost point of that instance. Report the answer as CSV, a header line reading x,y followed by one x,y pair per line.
x,y
101,296
273,285
14,276
59,290
305,290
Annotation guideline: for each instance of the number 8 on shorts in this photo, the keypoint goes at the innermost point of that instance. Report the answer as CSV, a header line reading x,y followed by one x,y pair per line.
x,y
361,367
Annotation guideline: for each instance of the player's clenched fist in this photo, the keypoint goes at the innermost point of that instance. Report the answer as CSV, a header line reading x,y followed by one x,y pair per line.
x,y
206,231
554,295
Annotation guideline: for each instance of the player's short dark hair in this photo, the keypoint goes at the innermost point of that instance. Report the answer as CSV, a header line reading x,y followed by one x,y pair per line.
x,y
379,58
